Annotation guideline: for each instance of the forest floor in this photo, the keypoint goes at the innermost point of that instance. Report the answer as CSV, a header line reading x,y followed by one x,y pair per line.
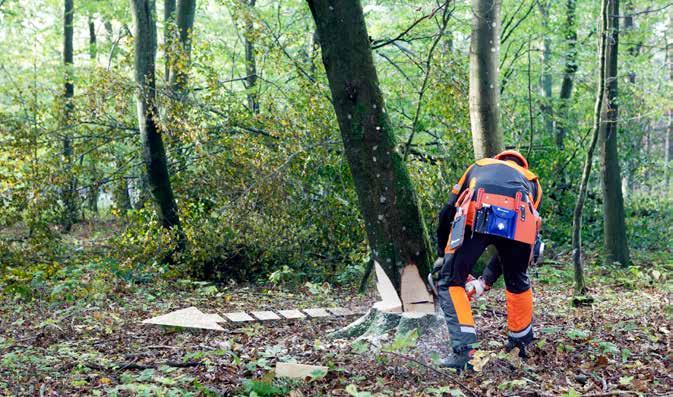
x,y
620,345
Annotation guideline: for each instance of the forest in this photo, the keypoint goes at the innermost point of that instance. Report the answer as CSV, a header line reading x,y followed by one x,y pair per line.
x,y
242,156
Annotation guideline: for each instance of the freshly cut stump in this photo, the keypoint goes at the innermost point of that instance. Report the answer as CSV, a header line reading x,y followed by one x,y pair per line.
x,y
379,327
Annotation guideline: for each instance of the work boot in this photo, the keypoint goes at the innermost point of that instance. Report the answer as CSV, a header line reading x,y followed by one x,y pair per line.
x,y
522,348
459,360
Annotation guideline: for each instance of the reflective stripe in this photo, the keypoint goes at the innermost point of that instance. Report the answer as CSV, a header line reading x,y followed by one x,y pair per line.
x,y
521,334
469,330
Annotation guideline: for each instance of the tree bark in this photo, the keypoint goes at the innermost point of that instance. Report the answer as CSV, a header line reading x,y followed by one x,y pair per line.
x,y
580,286
250,62
94,187
546,80
634,49
668,155
487,138
179,67
169,32
568,73
614,225
393,221
69,194
154,155
93,51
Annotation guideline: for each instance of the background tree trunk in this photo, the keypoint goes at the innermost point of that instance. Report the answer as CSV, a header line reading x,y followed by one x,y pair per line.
x,y
169,33
546,80
634,48
179,67
580,286
154,155
668,155
487,137
69,195
393,221
614,225
568,73
94,186
250,62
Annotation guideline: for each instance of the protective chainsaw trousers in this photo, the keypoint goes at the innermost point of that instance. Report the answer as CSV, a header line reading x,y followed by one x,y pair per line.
x,y
512,262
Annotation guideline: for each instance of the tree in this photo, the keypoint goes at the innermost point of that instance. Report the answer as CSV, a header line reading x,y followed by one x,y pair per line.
x,y
487,138
546,80
250,61
69,215
393,222
169,31
94,187
179,67
614,224
580,286
568,73
154,155
668,156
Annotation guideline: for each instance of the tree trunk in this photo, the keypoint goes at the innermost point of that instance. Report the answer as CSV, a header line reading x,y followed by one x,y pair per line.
x,y
169,31
69,195
94,186
633,49
614,225
568,73
179,67
580,286
668,155
121,196
154,155
250,62
546,80
393,221
487,138
93,52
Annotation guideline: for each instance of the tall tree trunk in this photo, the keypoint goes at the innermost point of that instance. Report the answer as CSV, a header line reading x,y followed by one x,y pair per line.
x,y
69,195
154,155
580,286
487,138
634,48
94,186
614,229
546,80
250,62
668,156
169,34
179,67
93,51
121,196
393,221
568,74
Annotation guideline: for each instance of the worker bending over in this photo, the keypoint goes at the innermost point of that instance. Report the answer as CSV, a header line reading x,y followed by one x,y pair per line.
x,y
494,203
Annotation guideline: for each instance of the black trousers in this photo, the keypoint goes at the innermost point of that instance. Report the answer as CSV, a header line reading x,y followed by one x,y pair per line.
x,y
512,262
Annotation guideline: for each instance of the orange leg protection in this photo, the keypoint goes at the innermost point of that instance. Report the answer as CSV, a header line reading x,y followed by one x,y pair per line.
x,y
519,312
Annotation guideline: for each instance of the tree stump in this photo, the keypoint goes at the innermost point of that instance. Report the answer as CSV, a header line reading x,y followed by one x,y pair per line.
x,y
378,327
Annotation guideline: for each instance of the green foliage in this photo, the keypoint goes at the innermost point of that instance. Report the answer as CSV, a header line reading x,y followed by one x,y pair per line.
x,y
269,196
263,388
